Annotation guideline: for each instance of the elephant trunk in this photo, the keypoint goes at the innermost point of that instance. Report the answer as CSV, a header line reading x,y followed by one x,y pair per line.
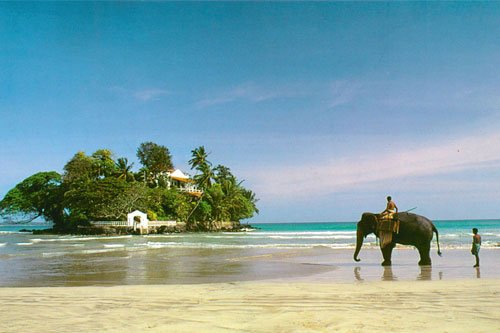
x,y
359,243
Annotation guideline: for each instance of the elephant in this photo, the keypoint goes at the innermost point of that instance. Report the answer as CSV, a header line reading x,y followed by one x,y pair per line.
x,y
414,230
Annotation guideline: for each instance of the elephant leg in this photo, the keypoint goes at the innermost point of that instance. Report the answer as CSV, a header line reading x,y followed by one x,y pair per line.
x,y
387,254
425,258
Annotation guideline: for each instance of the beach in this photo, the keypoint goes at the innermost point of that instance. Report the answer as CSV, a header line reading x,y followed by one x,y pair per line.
x,y
422,306
309,290
265,281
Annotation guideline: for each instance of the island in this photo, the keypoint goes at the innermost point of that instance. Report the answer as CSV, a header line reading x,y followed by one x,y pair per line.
x,y
97,194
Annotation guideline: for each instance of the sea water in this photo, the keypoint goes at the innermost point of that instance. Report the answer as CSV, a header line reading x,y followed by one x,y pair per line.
x,y
266,250
337,235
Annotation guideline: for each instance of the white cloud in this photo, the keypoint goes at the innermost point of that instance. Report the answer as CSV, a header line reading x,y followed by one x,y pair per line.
x,y
334,93
150,94
247,92
342,92
321,177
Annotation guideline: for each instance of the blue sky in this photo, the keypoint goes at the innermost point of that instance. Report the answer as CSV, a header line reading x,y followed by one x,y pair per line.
x,y
322,108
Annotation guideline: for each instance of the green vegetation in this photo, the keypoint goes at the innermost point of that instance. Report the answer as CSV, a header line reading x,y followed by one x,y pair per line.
x,y
100,188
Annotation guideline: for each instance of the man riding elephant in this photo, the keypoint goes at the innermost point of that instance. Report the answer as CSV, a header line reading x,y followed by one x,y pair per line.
x,y
390,209
411,229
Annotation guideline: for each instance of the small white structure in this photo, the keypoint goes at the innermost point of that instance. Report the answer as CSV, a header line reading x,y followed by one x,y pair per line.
x,y
184,183
179,175
138,219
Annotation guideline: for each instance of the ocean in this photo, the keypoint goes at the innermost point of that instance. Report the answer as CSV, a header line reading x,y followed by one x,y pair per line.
x,y
271,250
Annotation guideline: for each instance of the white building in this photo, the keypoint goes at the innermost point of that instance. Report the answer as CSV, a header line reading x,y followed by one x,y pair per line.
x,y
183,182
137,220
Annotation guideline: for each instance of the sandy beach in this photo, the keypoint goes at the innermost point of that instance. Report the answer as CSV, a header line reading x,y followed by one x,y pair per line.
x,y
418,306
57,287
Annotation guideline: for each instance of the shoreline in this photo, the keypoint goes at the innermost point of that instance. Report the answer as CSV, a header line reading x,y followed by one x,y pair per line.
x,y
429,306
116,266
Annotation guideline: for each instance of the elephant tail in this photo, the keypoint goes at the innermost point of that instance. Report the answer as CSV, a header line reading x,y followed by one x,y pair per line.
x,y
437,239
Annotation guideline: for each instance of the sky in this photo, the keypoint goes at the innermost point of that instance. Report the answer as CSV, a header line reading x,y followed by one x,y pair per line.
x,y
322,109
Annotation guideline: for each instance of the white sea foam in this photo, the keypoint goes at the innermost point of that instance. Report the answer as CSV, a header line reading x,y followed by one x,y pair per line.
x,y
298,233
24,244
114,245
3,244
158,245
313,237
166,236
282,235
449,235
94,251
82,238
54,254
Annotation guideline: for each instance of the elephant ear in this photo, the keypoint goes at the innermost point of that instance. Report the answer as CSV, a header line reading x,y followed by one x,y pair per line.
x,y
369,223
372,223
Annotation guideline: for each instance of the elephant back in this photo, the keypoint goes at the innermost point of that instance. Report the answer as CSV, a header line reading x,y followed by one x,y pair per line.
x,y
414,224
409,217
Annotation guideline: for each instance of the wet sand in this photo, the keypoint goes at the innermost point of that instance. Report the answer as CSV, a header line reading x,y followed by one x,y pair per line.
x,y
194,266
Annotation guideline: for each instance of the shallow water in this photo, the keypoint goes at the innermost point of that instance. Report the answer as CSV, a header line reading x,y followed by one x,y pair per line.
x,y
200,265
319,251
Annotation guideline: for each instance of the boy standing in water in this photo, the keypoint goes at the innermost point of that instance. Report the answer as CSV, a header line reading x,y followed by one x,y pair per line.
x,y
476,245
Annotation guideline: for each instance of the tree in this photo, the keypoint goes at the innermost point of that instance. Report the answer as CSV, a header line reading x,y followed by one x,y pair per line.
x,y
131,197
199,158
104,165
154,157
37,196
246,204
79,168
223,173
214,197
204,179
229,201
94,188
176,205
124,169
199,162
224,199
84,168
106,199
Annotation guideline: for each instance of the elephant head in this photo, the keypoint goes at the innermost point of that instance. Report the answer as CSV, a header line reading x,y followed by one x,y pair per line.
x,y
366,226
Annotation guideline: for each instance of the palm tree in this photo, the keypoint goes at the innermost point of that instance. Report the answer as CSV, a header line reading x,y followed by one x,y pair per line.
x,y
124,169
203,166
199,159
223,173
204,179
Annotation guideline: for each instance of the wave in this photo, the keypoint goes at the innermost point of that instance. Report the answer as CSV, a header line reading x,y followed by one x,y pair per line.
x,y
313,237
54,254
167,236
257,237
24,244
487,234
80,238
109,248
450,235
114,245
94,251
158,245
301,233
